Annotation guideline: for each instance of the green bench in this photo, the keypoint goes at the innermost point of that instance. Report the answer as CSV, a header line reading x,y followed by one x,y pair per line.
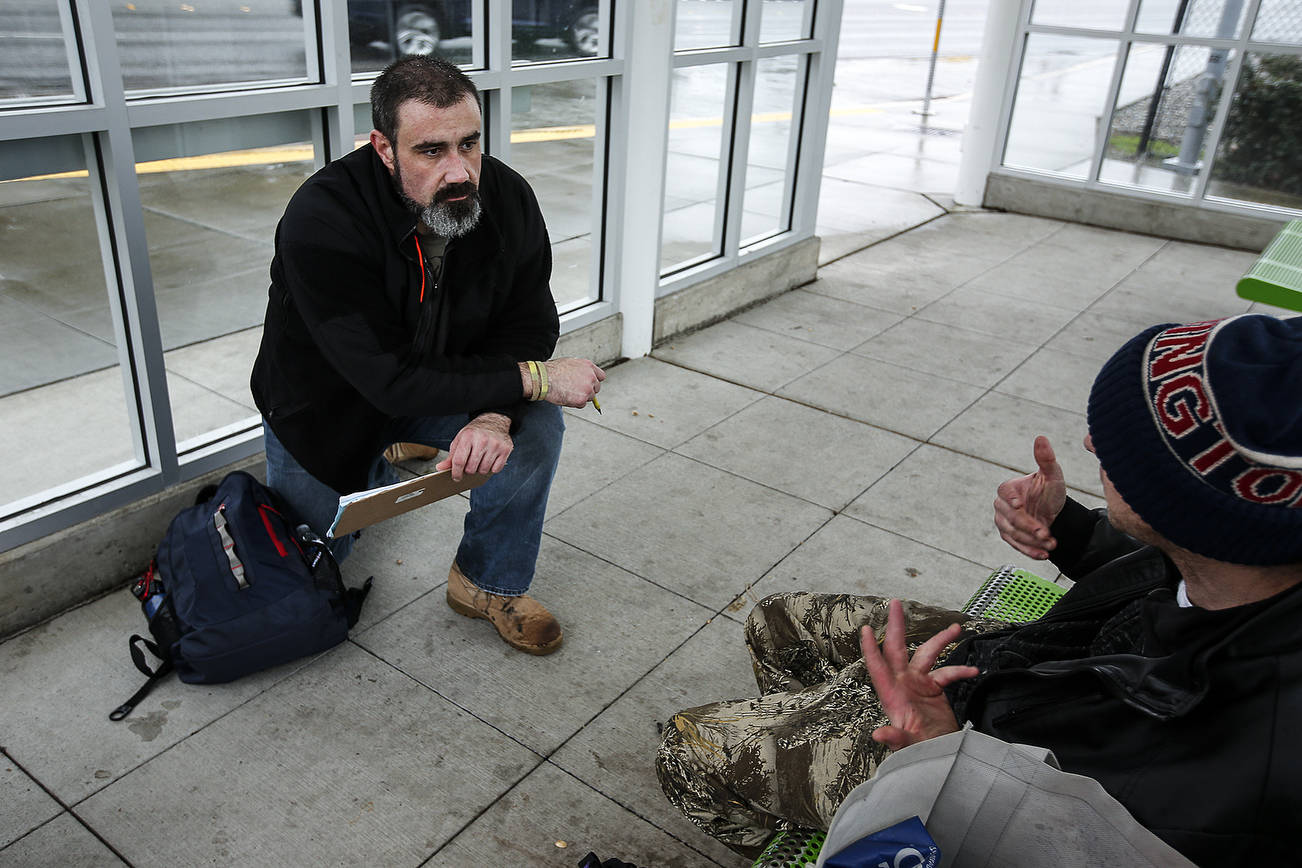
x,y
1276,277
1008,594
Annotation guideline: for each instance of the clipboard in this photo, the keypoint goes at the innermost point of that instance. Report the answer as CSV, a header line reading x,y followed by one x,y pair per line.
x,y
365,508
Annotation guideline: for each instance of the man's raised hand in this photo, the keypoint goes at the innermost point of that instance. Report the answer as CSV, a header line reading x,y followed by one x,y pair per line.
x,y
1025,507
911,692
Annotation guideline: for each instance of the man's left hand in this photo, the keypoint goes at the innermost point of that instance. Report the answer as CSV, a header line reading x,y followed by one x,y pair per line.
x,y
482,446
912,693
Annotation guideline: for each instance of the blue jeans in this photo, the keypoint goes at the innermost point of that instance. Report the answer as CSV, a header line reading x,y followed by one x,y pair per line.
x,y
499,544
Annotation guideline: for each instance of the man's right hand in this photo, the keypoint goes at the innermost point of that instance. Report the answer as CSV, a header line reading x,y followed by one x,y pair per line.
x,y
570,382
1025,507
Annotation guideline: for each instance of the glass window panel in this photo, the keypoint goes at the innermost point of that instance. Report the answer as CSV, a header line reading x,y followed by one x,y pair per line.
x,y
63,409
703,24
210,218
545,30
1059,107
552,145
1192,17
767,178
195,44
696,146
1279,21
783,20
1100,15
1258,159
35,40
381,31
1167,101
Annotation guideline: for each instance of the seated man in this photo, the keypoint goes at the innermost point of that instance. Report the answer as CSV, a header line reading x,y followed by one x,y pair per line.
x,y
410,302
1171,672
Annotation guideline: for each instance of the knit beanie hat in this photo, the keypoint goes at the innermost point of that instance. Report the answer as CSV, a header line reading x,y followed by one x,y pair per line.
x,y
1199,428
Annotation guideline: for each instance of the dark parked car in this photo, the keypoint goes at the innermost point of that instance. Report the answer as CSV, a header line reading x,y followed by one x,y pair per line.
x,y
417,26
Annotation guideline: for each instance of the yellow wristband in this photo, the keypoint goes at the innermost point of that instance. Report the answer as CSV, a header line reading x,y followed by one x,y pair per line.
x,y
535,382
542,369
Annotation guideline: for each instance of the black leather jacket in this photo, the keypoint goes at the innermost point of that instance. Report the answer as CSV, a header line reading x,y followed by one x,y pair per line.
x,y
349,344
1185,716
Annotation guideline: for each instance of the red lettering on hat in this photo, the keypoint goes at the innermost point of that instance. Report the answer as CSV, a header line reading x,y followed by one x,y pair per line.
x,y
1254,485
1212,457
1179,400
1178,348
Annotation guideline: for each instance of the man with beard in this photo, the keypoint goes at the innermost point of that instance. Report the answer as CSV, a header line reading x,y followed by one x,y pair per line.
x,y
410,303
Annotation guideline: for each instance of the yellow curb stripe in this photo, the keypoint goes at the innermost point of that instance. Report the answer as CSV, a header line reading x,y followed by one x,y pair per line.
x,y
303,153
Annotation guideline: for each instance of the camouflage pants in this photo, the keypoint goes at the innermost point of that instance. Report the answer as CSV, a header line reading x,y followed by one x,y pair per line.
x,y
743,769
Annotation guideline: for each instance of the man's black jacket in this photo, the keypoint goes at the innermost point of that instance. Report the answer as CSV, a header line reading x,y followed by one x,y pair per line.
x,y
1186,716
349,343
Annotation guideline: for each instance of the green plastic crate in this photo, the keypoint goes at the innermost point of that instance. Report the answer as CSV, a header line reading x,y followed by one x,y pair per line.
x,y
1276,277
795,848
1013,595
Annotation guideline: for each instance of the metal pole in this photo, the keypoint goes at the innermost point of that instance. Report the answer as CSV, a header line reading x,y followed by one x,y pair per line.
x,y
935,50
1160,90
1209,82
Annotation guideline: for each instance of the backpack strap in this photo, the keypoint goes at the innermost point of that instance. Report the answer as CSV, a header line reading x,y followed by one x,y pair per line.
x,y
353,599
154,675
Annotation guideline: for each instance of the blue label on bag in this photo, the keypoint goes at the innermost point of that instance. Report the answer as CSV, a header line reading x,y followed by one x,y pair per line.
x,y
904,845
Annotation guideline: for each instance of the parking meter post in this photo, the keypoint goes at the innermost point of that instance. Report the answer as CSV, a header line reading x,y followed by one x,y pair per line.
x,y
931,71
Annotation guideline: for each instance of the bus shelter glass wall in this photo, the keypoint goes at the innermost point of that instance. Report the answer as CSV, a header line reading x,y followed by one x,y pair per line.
x,y
553,130
1219,18
63,409
784,20
1059,104
1258,159
768,182
1104,15
37,53
706,24
1157,139
164,45
1168,130
692,228
381,31
212,194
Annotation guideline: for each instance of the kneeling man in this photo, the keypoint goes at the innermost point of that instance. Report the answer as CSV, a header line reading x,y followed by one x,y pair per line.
x,y
410,303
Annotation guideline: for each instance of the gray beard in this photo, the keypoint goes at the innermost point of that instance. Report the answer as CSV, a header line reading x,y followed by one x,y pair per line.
x,y
448,219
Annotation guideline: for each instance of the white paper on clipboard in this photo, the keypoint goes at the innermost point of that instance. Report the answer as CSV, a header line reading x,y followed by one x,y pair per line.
x,y
365,508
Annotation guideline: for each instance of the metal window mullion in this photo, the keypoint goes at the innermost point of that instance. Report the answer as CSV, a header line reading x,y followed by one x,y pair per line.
x,y
605,25
498,106
478,42
1120,61
76,75
737,26
45,123
711,56
1232,73
819,71
600,179
336,68
640,151
793,177
738,154
140,346
809,18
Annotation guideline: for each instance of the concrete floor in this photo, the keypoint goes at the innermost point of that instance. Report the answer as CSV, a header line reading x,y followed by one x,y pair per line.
x,y
846,436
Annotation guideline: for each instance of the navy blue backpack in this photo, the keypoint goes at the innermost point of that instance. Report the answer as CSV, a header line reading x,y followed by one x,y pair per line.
x,y
238,585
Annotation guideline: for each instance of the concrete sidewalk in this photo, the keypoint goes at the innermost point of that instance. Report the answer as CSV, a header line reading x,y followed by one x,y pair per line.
x,y
846,436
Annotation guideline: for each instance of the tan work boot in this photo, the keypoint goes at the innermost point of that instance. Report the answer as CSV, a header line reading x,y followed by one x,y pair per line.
x,y
410,452
522,621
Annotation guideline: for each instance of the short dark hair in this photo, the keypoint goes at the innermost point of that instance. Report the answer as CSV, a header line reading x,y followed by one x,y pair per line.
x,y
430,80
